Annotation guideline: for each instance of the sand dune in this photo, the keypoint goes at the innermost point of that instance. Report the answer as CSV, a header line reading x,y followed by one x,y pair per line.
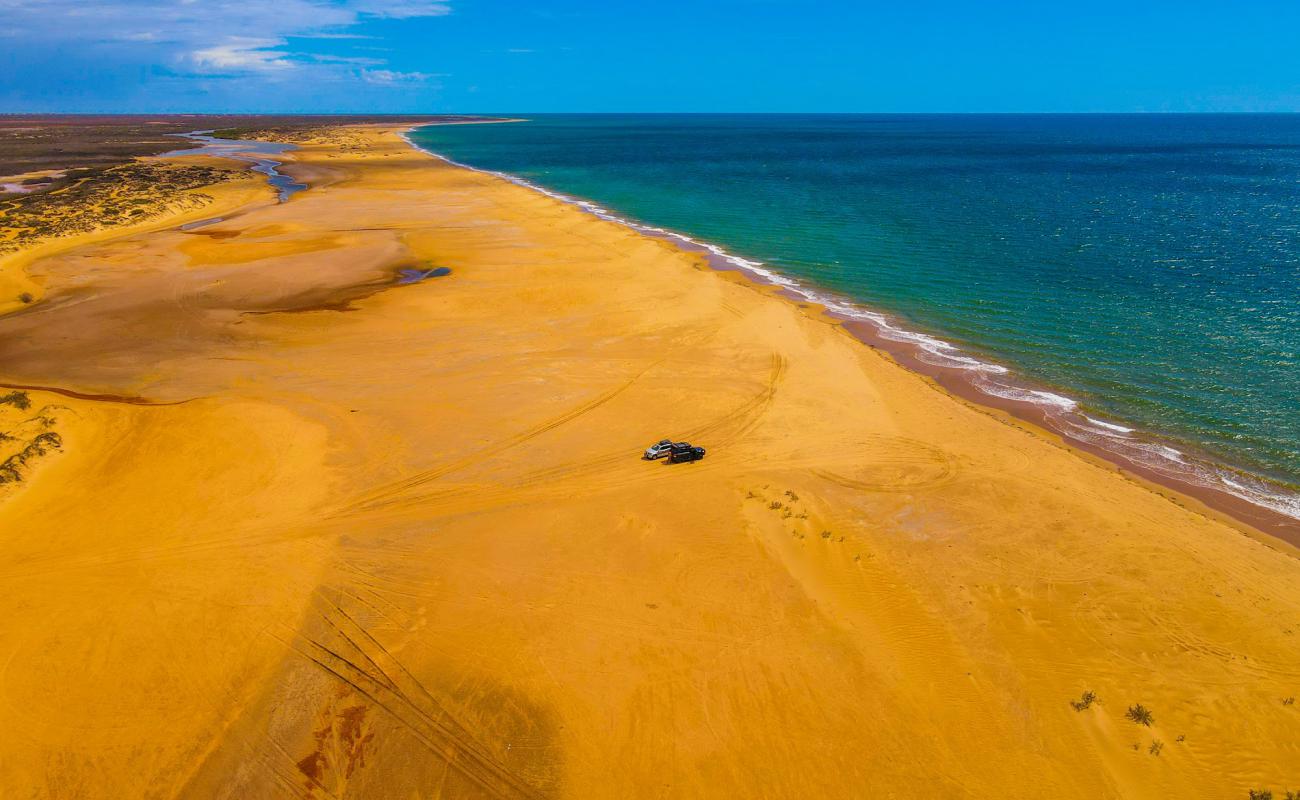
x,y
328,535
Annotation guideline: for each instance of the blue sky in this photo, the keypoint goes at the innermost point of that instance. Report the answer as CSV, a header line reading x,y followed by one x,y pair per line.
x,y
562,55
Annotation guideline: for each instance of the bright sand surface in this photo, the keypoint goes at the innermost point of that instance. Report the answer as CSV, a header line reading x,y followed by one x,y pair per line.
x,y
15,279
338,537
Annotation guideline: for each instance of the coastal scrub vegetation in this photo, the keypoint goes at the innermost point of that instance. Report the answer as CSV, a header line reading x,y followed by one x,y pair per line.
x,y
1140,714
84,200
18,400
344,139
26,440
43,141
11,468
1085,701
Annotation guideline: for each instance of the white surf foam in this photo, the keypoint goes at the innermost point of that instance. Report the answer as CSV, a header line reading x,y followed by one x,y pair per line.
x,y
1062,410
1259,493
1108,426
1049,401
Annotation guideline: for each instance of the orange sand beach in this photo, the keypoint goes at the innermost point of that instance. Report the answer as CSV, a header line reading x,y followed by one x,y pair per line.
x,y
314,532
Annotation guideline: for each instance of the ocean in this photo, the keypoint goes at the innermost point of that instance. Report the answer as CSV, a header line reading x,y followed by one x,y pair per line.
x,y
1138,275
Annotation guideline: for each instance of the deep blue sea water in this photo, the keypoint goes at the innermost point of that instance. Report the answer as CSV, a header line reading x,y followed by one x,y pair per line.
x,y
1146,266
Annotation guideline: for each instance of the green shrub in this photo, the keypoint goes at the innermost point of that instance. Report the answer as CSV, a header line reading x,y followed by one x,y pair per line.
x,y
1085,701
18,400
11,468
1140,714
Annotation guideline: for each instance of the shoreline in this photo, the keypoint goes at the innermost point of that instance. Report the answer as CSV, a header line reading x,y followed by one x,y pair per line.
x,y
880,331
357,516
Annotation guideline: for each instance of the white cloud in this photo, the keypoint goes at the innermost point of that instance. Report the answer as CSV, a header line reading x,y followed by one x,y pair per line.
x,y
402,9
387,77
331,36
241,54
361,61
221,37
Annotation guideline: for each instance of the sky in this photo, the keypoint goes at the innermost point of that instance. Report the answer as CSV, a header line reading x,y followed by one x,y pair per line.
x,y
510,56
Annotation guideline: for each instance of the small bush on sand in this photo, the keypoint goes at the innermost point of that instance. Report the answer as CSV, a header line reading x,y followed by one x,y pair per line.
x,y
826,534
776,505
45,442
794,498
1085,701
1140,714
25,298
11,467
18,400
1261,794
1288,701
1156,747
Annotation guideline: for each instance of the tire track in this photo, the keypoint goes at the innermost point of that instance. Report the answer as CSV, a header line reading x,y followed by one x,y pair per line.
x,y
385,495
896,464
349,653
746,416
730,426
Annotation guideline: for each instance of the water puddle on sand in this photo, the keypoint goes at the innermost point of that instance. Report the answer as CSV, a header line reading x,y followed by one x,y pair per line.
x,y
199,223
405,276
248,150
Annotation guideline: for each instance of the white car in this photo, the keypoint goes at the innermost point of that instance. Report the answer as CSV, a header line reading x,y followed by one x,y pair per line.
x,y
658,450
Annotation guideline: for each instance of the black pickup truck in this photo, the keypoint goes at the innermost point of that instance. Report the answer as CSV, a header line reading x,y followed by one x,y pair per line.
x,y
683,451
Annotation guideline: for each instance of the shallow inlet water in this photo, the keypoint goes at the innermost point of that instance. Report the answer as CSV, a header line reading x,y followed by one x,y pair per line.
x,y
406,276
248,150
201,223
1136,279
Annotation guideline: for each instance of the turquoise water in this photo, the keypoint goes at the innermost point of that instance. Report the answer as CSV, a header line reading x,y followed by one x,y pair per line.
x,y
1147,267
